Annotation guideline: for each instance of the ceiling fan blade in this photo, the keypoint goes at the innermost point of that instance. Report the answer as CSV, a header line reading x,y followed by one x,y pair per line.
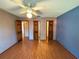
x,y
15,8
22,6
34,13
38,11
19,2
37,8
23,12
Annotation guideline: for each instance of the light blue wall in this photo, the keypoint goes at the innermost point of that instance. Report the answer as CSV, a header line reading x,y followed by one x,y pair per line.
x,y
68,31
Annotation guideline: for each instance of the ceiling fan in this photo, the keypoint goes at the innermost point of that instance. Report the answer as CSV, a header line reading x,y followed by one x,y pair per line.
x,y
28,9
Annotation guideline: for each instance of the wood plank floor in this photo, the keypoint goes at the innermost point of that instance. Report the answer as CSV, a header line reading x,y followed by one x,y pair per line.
x,y
37,50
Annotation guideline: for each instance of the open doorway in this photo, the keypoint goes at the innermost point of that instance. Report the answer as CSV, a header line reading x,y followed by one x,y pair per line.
x,y
19,30
35,30
25,29
47,26
49,29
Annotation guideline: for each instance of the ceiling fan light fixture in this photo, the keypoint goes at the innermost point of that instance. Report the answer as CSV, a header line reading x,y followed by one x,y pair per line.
x,y
29,15
29,11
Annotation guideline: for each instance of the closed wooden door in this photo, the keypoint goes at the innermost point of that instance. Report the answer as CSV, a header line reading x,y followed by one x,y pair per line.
x,y
35,30
19,30
50,31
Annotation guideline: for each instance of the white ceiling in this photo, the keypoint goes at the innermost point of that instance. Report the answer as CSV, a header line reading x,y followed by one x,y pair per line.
x,y
50,8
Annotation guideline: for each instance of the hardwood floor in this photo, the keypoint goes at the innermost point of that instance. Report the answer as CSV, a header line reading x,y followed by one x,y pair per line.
x,y
37,50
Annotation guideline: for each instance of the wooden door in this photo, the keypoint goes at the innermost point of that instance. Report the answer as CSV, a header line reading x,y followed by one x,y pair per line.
x,y
35,30
50,31
19,30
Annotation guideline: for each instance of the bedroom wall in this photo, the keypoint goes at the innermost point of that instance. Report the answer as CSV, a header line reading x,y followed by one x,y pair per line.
x,y
68,31
7,31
